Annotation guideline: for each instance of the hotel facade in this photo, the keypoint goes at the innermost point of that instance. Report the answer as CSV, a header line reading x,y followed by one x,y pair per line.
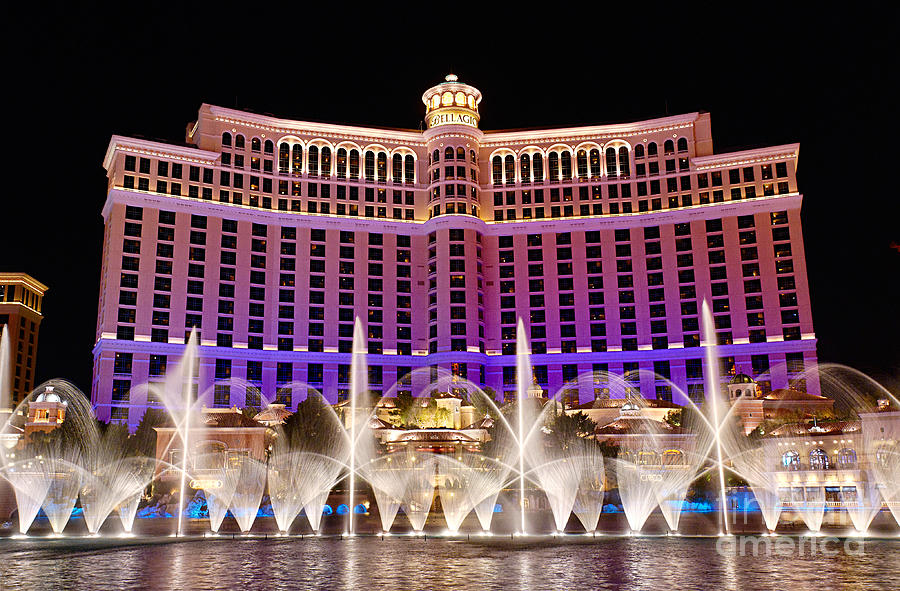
x,y
271,236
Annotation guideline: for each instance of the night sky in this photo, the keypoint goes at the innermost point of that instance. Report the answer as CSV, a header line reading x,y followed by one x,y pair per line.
x,y
768,76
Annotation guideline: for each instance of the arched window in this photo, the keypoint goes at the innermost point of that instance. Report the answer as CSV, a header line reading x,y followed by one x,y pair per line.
x,y
461,153
269,147
382,166
510,162
297,158
497,170
818,459
682,144
326,161
624,168
525,167
341,163
397,168
448,153
651,149
226,139
669,147
284,158
553,163
435,156
639,151
313,161
847,457
255,144
537,168
473,157
354,164
611,169
582,163
791,460
239,142
369,169
410,169
565,165
595,163
673,457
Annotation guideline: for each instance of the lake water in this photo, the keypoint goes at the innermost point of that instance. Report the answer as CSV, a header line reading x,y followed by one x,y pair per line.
x,y
571,563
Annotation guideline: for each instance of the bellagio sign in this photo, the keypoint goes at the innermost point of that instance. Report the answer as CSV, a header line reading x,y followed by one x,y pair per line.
x,y
452,117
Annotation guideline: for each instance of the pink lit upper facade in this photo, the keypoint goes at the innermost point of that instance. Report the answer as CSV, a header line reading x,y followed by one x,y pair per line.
x,y
271,236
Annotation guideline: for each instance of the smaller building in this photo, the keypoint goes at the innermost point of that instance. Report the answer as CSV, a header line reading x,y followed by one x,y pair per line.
x,y
604,411
45,413
224,430
754,408
21,302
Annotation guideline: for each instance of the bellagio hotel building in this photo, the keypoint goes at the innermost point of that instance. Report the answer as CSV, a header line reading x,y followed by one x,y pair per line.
x,y
271,236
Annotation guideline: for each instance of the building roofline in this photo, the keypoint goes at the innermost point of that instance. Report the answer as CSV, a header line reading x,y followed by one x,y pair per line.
x,y
268,122
152,148
746,156
612,129
24,279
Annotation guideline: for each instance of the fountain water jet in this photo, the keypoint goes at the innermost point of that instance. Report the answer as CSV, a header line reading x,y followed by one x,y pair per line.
x,y
524,381
185,379
865,505
250,482
713,386
359,379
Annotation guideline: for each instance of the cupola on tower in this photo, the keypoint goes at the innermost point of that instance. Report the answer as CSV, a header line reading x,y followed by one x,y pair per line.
x,y
451,113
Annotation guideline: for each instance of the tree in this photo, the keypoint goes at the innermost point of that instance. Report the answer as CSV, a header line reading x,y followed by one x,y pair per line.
x,y
673,417
311,426
403,411
485,404
431,416
564,427
143,441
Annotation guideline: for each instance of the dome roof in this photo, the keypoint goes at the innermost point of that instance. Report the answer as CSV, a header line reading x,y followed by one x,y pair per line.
x,y
48,395
742,378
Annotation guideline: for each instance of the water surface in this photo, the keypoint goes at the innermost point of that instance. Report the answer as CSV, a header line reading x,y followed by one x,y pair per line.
x,y
572,563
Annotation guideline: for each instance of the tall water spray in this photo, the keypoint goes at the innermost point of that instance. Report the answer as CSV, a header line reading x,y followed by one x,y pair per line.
x,y
185,378
5,375
713,387
359,378
524,381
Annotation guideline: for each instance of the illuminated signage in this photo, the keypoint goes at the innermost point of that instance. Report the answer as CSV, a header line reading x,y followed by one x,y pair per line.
x,y
651,477
206,484
452,117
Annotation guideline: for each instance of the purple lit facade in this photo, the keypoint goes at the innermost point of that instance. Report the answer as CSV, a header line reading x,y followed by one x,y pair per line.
x,y
270,236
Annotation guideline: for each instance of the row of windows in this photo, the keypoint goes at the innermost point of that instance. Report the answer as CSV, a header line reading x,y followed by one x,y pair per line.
x,y
631,371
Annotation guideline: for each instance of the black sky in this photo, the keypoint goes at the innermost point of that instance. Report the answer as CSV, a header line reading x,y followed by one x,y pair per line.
x,y
826,79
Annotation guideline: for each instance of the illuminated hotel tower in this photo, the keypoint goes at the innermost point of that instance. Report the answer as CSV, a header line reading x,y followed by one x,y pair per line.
x,y
271,235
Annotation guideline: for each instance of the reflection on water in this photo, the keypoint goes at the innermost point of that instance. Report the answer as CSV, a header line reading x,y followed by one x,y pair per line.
x,y
414,563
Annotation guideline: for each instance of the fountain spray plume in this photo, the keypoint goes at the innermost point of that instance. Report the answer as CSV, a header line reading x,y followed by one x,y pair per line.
x,y
250,482
524,382
359,385
114,477
5,378
308,456
178,397
713,388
